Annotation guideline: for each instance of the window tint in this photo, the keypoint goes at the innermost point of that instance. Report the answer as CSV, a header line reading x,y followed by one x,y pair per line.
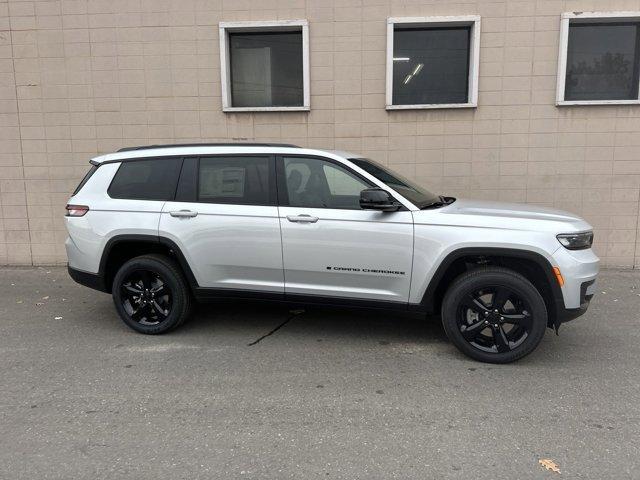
x,y
431,65
419,196
316,183
602,62
266,69
85,179
236,180
153,179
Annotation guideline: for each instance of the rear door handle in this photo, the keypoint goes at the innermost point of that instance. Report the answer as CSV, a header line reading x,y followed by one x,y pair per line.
x,y
302,218
183,213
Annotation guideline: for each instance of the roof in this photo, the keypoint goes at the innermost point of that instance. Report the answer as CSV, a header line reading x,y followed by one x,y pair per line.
x,y
214,148
229,144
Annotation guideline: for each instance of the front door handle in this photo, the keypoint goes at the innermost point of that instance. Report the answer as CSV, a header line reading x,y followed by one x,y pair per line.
x,y
302,218
183,213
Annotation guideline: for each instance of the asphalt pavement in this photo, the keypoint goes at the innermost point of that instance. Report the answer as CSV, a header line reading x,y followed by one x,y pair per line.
x,y
329,394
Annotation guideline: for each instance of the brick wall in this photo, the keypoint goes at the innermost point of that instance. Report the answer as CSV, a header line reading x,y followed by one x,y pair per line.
x,y
79,78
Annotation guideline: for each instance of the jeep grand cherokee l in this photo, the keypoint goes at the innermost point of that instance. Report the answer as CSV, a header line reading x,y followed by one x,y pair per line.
x,y
161,226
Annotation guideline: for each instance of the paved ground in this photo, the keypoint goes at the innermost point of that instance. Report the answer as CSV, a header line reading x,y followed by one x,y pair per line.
x,y
329,395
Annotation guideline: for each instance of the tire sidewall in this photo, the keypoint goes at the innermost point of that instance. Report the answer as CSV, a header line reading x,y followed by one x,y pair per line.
x,y
476,280
170,279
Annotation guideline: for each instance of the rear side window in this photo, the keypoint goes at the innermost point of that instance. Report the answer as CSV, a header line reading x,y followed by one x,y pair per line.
x,y
234,180
85,179
153,179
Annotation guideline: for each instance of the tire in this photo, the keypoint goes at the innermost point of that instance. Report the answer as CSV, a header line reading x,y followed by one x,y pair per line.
x,y
472,324
151,294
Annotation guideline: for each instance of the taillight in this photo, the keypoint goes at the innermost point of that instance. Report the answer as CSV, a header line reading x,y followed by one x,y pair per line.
x,y
76,210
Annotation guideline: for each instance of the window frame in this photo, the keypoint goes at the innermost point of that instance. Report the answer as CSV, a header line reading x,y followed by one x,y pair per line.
x,y
256,27
569,18
472,21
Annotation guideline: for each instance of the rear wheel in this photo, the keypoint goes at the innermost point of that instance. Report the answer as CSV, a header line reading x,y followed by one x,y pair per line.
x,y
151,294
494,315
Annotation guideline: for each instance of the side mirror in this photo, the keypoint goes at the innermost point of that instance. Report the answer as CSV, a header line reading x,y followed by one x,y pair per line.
x,y
378,199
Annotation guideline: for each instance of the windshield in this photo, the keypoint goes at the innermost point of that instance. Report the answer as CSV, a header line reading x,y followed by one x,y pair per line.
x,y
417,195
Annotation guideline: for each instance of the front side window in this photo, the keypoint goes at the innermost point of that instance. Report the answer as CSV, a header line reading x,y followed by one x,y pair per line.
x,y
417,195
234,180
316,183
599,60
152,179
433,62
266,66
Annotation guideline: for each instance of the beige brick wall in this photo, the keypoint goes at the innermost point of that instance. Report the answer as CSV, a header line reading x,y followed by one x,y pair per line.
x,y
83,77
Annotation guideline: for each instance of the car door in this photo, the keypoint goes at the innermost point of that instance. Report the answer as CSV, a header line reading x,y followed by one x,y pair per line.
x,y
225,220
332,247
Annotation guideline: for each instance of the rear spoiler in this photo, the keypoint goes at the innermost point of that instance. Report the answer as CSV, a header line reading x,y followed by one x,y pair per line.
x,y
94,163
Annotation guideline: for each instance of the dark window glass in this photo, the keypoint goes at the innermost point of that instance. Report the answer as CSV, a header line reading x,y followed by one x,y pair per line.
x,y
235,180
431,65
602,62
188,183
85,179
316,183
266,69
153,179
417,195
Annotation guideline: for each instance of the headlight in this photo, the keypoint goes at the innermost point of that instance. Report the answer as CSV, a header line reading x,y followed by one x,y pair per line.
x,y
576,241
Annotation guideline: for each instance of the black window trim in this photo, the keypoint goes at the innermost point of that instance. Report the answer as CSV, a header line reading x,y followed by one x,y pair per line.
x,y
85,179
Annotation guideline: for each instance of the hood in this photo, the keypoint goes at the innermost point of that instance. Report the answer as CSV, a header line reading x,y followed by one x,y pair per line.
x,y
515,216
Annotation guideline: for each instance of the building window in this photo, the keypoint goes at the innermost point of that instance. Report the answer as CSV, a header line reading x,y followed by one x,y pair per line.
x,y
264,66
432,62
598,60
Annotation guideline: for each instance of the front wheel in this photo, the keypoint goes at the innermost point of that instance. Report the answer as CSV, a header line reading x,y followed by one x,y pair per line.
x,y
494,315
151,294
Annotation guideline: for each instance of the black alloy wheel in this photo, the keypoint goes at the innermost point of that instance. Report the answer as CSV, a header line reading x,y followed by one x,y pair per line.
x,y
494,315
146,297
151,294
494,319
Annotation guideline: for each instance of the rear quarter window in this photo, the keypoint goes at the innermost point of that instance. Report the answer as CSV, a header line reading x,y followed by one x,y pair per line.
x,y
152,179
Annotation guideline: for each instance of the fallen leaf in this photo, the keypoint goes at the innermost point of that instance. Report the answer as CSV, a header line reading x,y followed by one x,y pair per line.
x,y
46,298
19,301
549,465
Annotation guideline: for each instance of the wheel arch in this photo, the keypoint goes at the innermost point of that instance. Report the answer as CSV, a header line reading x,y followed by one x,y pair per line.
x,y
531,264
122,248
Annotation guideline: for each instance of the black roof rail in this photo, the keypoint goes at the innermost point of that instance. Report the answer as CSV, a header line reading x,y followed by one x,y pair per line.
x,y
236,144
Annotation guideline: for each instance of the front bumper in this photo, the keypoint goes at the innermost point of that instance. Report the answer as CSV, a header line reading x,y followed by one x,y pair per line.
x,y
586,294
579,269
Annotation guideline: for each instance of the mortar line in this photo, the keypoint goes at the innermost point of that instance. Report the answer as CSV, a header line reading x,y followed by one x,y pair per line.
x,y
24,182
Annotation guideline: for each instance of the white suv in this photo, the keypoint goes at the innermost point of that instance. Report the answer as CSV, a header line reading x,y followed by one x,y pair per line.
x,y
159,226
